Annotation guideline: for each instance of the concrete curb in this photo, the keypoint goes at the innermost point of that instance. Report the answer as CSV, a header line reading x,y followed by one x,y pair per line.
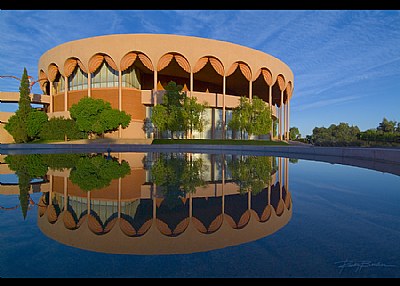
x,y
390,155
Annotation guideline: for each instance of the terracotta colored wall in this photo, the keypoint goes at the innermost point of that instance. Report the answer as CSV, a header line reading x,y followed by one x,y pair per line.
x,y
132,103
75,96
58,102
107,193
131,184
107,94
74,190
58,184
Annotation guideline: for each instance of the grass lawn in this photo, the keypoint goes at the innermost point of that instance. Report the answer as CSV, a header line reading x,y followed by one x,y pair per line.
x,y
219,142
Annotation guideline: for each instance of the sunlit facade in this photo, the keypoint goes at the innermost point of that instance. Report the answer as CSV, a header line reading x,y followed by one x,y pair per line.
x,y
131,72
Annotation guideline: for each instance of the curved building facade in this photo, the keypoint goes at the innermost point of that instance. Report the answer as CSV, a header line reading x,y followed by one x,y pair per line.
x,y
131,71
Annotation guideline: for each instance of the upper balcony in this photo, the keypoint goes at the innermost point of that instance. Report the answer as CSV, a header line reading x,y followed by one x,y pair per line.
x,y
12,97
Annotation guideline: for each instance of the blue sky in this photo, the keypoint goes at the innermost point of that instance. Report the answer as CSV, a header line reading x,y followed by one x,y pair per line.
x,y
346,63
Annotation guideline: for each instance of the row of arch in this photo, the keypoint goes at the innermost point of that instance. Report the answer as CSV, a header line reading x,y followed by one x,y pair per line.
x,y
207,215
175,64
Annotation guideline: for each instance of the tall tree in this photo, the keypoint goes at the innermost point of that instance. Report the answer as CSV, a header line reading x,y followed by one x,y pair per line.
x,y
26,167
17,123
178,112
260,117
240,116
252,117
168,116
193,115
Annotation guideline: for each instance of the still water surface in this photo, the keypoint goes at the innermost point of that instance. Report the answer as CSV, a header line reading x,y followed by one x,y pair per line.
x,y
195,215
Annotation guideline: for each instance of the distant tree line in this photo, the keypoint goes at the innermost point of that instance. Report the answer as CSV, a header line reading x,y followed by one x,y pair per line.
x,y
387,133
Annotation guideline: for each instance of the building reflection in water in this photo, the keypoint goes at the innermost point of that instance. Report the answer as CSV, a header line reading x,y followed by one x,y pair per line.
x,y
170,204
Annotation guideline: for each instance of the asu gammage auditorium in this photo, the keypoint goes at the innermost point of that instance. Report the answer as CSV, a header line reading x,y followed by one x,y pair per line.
x,y
131,71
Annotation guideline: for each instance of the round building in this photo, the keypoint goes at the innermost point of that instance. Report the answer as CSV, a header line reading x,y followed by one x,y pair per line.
x,y
131,71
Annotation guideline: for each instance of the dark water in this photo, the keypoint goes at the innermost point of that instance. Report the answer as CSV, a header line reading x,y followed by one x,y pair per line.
x,y
195,215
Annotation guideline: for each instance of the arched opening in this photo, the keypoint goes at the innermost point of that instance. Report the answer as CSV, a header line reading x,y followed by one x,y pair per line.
x,y
208,75
173,67
237,79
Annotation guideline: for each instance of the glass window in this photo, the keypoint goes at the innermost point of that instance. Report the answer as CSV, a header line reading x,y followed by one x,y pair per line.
x,y
105,76
131,78
77,80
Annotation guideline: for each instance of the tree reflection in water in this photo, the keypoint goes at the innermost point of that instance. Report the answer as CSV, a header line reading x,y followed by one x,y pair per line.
x,y
251,173
88,171
177,174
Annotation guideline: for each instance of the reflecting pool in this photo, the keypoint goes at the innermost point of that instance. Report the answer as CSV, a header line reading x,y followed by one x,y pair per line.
x,y
195,215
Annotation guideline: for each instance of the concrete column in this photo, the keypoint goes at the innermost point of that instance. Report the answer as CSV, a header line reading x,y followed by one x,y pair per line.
x,y
287,120
271,134
250,91
119,197
190,205
269,194
66,94
155,87
278,110
284,122
51,107
51,190
154,196
280,176
88,202
223,183
280,117
65,193
249,200
119,100
89,84
191,83
288,116
286,173
119,90
223,107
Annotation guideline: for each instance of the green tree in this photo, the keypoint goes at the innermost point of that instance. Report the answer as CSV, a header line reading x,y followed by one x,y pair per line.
x,y
59,128
387,125
252,117
168,115
26,167
336,135
96,116
294,133
97,172
193,115
35,123
260,117
177,175
251,173
241,116
17,123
